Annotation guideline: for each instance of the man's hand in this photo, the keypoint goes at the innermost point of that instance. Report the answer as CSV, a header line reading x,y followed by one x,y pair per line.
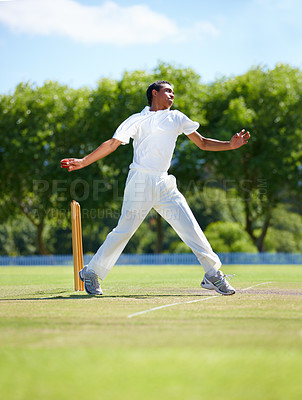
x,y
72,164
239,139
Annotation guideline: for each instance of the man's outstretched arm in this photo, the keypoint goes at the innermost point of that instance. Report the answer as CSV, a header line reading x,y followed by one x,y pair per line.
x,y
238,140
102,151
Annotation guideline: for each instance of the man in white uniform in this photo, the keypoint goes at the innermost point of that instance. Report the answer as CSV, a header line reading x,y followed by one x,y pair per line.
x,y
154,132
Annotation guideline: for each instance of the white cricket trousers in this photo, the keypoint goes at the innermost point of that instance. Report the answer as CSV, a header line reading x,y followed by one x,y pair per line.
x,y
145,190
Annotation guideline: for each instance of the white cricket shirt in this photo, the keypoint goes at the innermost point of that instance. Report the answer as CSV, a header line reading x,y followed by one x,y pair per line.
x,y
154,135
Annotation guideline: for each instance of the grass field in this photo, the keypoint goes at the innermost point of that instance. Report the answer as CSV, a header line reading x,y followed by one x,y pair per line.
x,y
58,344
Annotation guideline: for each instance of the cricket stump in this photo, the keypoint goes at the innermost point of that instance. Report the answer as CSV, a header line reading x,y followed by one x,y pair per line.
x,y
77,244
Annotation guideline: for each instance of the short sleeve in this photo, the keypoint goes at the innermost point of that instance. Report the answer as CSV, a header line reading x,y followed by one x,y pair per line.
x,y
186,125
126,130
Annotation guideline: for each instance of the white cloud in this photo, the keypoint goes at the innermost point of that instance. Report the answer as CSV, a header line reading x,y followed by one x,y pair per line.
x,y
107,23
198,31
203,29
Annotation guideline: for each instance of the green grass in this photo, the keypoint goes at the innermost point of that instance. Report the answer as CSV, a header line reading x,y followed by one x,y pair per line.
x,y
58,344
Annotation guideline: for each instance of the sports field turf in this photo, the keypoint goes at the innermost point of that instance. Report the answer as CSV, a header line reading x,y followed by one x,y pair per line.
x,y
58,344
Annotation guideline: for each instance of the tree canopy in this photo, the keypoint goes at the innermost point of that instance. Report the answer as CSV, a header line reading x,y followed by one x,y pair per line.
x,y
41,125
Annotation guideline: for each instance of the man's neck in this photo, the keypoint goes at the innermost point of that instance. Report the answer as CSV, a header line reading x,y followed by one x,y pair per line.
x,y
158,108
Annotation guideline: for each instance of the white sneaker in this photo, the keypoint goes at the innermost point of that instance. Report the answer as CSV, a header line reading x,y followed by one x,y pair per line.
x,y
217,282
91,281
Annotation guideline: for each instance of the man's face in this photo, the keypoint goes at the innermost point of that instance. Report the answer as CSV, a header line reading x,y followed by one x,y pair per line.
x,y
164,97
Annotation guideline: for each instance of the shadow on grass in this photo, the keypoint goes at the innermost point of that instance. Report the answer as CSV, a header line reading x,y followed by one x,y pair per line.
x,y
118,296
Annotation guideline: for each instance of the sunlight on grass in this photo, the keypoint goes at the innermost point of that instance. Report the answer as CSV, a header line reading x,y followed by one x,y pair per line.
x,y
56,343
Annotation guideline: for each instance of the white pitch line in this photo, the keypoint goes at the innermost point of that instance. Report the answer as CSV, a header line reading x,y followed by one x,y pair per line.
x,y
169,305
258,284
187,302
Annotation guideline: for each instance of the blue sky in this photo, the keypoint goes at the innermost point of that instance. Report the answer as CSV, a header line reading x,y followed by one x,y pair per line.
x,y
77,42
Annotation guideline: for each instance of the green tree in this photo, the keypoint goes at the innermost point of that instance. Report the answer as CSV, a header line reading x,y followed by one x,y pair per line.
x,y
267,170
113,102
226,237
285,233
36,125
17,237
41,125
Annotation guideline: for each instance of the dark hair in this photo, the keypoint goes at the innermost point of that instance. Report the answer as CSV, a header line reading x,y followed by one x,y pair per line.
x,y
155,85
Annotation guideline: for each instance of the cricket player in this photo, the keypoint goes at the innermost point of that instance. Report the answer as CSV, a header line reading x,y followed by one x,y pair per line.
x,y
154,132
